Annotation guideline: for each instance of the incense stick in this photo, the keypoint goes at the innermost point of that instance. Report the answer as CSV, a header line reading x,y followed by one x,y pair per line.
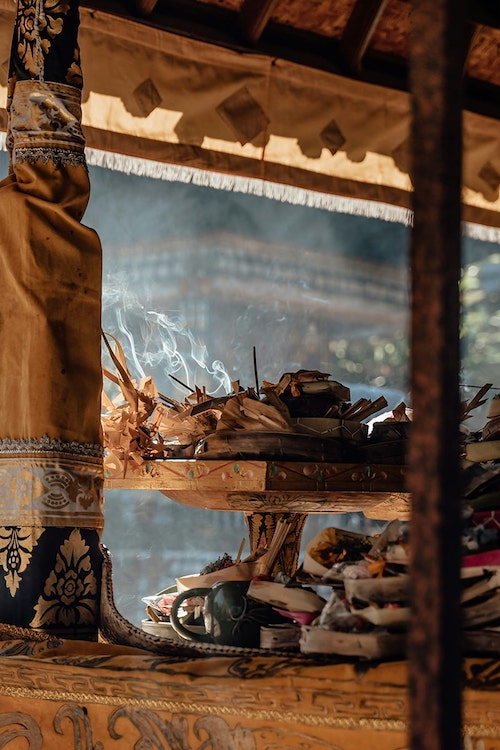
x,y
275,546
180,383
240,550
255,372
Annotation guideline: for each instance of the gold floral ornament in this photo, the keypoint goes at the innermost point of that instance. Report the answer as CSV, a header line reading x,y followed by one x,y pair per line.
x,y
70,592
37,29
74,76
16,546
22,484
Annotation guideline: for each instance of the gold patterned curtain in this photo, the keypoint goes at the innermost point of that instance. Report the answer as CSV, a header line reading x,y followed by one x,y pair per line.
x,y
50,300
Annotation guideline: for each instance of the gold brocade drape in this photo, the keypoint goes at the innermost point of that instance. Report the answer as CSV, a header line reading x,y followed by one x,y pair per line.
x,y
50,376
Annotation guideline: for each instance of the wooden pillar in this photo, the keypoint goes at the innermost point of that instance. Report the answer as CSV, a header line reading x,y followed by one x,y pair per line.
x,y
436,57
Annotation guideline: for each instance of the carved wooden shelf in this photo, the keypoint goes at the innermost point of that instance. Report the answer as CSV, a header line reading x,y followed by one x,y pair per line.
x,y
274,486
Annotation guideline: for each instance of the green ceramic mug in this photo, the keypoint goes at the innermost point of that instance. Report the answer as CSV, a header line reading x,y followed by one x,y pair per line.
x,y
231,618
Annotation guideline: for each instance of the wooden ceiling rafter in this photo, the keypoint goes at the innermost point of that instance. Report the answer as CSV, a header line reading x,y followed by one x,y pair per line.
x,y
359,30
254,16
484,12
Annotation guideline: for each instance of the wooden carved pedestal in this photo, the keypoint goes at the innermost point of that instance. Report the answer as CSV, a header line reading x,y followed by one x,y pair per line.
x,y
261,528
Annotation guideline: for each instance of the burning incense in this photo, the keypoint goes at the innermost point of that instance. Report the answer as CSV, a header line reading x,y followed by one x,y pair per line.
x,y
279,537
180,382
255,372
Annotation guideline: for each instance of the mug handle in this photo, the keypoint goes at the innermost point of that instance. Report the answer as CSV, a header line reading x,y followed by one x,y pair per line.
x,y
178,626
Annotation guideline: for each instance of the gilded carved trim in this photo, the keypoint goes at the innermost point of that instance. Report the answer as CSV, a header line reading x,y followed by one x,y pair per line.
x,y
208,709
471,730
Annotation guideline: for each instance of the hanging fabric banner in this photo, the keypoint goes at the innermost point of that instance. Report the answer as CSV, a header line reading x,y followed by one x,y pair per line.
x,y
175,108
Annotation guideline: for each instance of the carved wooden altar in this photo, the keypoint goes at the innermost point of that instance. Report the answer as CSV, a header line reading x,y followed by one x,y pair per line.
x,y
265,490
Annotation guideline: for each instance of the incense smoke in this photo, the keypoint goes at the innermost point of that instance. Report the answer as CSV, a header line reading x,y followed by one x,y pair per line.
x,y
160,345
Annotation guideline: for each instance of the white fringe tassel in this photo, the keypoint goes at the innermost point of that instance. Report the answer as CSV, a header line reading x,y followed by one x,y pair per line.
x,y
252,186
482,232
273,190
276,191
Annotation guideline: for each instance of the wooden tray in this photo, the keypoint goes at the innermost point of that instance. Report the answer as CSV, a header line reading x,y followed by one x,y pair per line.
x,y
274,485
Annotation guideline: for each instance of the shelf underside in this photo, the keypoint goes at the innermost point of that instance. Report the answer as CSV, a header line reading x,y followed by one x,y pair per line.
x,y
274,486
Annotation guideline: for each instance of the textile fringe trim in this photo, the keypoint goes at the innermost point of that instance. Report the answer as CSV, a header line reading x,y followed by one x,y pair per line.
x,y
273,190
276,191
249,185
482,232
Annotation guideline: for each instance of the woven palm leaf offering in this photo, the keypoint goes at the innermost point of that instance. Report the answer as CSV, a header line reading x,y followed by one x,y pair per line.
x,y
239,570
368,612
334,548
388,441
482,445
320,406
304,416
141,424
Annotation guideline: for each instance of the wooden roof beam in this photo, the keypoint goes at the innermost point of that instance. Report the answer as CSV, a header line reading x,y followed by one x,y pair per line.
x,y
359,29
254,16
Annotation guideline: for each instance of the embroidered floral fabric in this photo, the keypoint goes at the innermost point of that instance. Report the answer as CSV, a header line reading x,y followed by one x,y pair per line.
x,y
44,44
50,297
46,75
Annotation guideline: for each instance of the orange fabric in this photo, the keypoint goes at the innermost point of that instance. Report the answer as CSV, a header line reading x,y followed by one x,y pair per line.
x,y
50,312
50,306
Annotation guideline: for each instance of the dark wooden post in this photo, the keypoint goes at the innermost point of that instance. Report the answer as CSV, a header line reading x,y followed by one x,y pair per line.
x,y
436,59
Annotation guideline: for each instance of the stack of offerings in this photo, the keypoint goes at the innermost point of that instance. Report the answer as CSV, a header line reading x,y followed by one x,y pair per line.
x,y
368,612
480,480
481,561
